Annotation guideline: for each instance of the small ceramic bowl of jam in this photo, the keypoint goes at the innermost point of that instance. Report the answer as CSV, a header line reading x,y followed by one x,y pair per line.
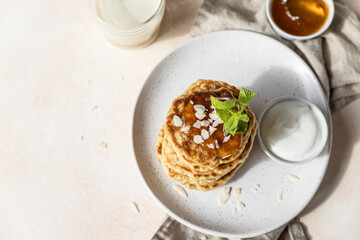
x,y
300,19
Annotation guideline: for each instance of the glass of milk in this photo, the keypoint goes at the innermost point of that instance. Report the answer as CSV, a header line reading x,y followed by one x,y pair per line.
x,y
128,23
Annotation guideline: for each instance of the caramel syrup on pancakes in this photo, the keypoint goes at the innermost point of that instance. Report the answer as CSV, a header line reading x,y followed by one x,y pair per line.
x,y
225,148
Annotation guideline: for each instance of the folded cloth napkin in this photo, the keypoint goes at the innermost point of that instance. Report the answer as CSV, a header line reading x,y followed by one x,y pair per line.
x,y
334,57
173,230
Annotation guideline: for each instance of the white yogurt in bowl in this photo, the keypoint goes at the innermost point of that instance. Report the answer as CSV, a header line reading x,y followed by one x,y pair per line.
x,y
292,130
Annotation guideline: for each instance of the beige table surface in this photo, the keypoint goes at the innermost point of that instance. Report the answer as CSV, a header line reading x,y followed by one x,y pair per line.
x,y
64,90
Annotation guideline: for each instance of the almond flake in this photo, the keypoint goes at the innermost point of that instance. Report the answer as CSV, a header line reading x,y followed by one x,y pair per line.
x,y
234,211
217,122
211,146
135,207
199,108
212,130
177,121
213,115
103,145
200,115
205,134
197,124
191,101
279,196
217,144
226,156
212,107
223,195
241,205
205,123
185,129
292,177
198,139
203,237
180,190
255,187
210,120
227,138
237,191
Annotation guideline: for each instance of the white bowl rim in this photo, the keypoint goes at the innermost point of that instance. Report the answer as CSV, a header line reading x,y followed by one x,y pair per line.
x,y
289,36
317,112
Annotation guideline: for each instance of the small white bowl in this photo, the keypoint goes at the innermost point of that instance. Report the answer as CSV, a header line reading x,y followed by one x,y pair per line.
x,y
289,36
321,120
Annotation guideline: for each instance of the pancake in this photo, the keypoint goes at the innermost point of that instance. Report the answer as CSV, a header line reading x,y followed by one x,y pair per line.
x,y
192,145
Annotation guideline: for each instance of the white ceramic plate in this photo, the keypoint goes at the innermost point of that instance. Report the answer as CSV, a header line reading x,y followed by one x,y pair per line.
x,y
243,59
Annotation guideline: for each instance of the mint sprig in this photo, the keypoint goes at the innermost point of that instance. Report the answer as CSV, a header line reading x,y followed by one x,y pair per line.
x,y
231,111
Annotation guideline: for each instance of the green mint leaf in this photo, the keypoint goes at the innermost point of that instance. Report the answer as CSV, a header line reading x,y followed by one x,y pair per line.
x,y
237,123
232,124
244,117
228,104
242,127
234,121
245,97
225,115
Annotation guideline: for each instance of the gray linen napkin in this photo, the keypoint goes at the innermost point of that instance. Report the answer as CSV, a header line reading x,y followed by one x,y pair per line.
x,y
173,230
334,57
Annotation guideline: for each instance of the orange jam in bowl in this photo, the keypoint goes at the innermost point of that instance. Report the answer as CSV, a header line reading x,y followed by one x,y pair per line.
x,y
300,19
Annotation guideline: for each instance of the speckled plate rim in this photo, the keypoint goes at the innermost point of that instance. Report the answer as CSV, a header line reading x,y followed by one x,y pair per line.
x,y
171,213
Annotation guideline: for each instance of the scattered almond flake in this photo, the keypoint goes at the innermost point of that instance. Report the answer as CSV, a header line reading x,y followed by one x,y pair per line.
x,y
135,207
212,130
292,177
200,115
255,187
185,129
213,115
205,134
103,145
217,122
241,205
205,123
223,195
210,120
237,191
94,108
217,144
177,121
197,124
191,101
82,138
211,146
234,211
212,107
199,108
198,139
227,138
180,190
279,196
203,237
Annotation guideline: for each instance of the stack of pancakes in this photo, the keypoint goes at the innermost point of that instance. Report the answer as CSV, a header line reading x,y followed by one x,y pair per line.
x,y
192,145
